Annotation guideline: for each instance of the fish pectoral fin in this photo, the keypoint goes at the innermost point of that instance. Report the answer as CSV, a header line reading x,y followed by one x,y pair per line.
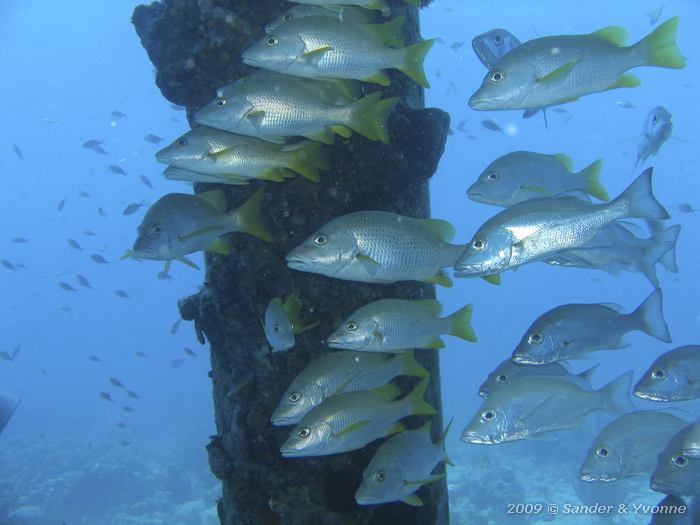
x,y
494,278
219,246
559,73
540,189
318,53
196,233
546,437
413,500
187,262
378,336
368,263
352,428
255,115
429,479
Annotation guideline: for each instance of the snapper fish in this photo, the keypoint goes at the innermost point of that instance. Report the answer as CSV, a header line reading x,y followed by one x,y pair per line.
x,y
377,5
338,373
379,247
658,127
352,15
558,69
673,376
676,473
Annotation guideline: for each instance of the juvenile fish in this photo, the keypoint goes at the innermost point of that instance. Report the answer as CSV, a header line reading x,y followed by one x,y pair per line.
x,y
397,325
339,373
530,406
673,376
675,472
524,175
629,446
658,127
492,45
179,224
327,48
378,247
573,330
536,229
558,69
401,465
283,321
350,421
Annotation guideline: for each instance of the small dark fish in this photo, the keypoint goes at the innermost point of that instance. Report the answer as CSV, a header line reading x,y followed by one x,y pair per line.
x,y
82,281
94,358
11,356
175,327
132,394
61,204
684,207
559,110
106,396
117,114
7,264
84,194
67,287
116,382
655,15
456,45
122,294
127,408
175,363
74,244
124,443
491,125
189,351
625,104
66,309
461,124
95,145
101,213
132,208
121,425
18,151
19,240
153,139
146,181
98,258
89,233
140,354
116,169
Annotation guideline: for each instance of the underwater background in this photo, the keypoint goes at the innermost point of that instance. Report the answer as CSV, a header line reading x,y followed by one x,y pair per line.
x,y
75,71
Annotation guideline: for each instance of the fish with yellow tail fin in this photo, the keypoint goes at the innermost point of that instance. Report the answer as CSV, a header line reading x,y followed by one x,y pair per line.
x,y
558,69
379,247
397,325
179,224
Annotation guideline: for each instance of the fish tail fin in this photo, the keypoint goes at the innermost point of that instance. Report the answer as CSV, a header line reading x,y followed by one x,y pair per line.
x,y
411,366
617,394
308,159
591,175
417,405
413,62
248,217
639,199
660,48
651,256
668,235
461,324
370,115
650,315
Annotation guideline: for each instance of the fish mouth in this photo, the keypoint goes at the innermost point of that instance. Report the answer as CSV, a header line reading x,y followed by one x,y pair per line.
x,y
298,262
283,421
367,500
648,395
483,393
470,436
336,342
666,488
291,452
600,477
144,253
481,103
165,159
251,60
524,359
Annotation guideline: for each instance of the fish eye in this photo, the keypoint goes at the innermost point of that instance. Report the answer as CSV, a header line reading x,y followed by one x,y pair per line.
x,y
220,103
502,378
498,38
276,327
679,460
488,415
287,18
535,339
478,244
497,76
155,229
602,452
181,142
658,374
351,327
320,240
380,475
492,176
304,432
272,41
294,397
654,119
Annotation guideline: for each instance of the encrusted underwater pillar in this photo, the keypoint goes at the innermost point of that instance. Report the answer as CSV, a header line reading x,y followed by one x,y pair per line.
x,y
195,46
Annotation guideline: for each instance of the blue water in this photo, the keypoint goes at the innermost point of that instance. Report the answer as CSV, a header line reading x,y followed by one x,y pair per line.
x,y
63,73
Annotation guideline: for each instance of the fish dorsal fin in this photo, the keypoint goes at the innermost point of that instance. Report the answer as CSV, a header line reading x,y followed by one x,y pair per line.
x,y
559,73
215,198
565,161
388,392
389,33
613,306
352,428
442,229
219,246
432,306
616,35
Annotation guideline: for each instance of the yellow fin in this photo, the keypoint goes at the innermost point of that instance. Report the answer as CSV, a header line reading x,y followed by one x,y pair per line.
x,y
443,229
559,73
323,135
127,254
369,116
352,428
565,161
342,130
660,45
616,35
219,246
389,392
215,198
626,80
396,428
317,53
419,406
435,344
292,306
275,175
411,366
493,278
413,500
432,306
413,63
591,175
380,77
462,324
248,217
389,33
439,278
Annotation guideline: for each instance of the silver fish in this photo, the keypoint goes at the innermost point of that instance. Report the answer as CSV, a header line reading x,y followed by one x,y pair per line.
x,y
573,330
346,14
675,472
536,229
378,247
530,406
629,446
397,325
673,376
658,127
339,373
